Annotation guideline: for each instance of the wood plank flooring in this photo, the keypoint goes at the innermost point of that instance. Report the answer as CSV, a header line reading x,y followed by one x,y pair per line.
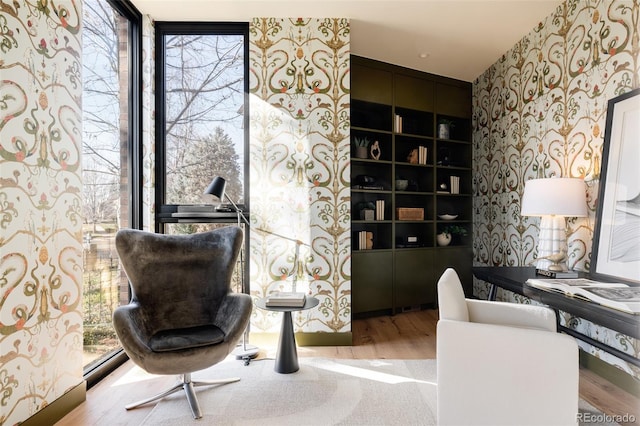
x,y
409,335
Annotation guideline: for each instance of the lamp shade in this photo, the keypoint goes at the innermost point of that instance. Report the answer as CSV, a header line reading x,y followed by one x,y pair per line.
x,y
216,187
554,197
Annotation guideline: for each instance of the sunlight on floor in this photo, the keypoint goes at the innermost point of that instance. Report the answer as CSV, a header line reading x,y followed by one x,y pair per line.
x,y
364,373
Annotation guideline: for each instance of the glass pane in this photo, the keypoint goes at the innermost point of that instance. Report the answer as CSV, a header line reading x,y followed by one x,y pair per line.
x,y
204,112
105,172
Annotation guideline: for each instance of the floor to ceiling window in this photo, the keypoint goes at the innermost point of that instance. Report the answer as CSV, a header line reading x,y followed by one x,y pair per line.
x,y
110,135
201,127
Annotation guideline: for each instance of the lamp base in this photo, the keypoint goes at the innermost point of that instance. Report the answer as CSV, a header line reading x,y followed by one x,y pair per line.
x,y
246,352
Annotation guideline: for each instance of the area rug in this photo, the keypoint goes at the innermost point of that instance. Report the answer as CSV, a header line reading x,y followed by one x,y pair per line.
x,y
322,392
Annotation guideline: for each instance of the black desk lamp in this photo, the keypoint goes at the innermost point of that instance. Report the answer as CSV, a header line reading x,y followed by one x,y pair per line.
x,y
216,188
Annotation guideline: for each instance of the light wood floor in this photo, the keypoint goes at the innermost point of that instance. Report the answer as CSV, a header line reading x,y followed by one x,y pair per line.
x,y
408,335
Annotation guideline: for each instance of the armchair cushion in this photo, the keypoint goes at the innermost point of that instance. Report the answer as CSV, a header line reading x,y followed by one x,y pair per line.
x,y
185,338
512,314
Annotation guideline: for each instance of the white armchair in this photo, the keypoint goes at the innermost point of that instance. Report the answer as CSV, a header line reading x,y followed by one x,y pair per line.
x,y
502,363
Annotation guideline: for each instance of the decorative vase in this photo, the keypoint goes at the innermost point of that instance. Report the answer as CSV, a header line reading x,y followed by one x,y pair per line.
x,y
361,152
443,239
443,131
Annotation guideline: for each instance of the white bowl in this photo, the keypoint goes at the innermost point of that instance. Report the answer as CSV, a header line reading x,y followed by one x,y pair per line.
x,y
447,216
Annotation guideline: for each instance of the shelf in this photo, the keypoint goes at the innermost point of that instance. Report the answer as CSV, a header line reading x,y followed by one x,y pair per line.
x,y
381,94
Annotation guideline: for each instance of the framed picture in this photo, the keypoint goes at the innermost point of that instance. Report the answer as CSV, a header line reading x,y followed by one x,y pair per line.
x,y
616,242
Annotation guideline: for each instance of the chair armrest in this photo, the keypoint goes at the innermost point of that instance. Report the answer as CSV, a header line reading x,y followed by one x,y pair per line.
x,y
512,314
492,374
130,329
233,315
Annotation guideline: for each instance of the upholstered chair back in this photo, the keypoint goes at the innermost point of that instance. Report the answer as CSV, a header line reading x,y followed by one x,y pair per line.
x,y
451,299
180,280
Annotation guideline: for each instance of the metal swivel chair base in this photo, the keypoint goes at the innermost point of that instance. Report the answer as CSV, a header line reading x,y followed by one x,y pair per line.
x,y
188,385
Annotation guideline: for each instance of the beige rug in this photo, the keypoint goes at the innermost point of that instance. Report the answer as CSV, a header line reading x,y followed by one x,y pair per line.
x,y
322,392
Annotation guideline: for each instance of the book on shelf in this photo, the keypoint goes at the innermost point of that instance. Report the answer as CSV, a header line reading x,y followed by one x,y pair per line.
x,y
455,184
618,296
379,209
398,123
286,299
422,155
556,274
365,240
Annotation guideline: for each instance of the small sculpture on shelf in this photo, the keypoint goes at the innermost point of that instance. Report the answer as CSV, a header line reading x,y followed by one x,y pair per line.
x,y
412,158
375,151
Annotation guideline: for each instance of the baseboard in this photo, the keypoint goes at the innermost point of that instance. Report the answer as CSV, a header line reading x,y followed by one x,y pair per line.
x,y
324,339
305,339
59,408
613,374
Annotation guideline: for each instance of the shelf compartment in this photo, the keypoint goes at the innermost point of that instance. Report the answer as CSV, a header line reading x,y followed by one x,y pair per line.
x,y
384,140
453,154
371,115
414,234
420,177
381,234
414,122
372,175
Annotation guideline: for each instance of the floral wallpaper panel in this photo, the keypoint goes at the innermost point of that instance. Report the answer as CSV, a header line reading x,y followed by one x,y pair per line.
x,y
540,111
40,205
299,168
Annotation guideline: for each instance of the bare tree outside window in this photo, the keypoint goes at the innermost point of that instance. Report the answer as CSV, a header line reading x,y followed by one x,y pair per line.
x,y
105,182
204,113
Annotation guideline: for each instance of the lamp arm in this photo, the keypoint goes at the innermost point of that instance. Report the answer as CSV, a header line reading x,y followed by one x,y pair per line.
x,y
238,211
246,221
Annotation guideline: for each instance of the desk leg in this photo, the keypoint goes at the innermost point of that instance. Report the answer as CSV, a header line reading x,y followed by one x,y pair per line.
x,y
493,290
287,356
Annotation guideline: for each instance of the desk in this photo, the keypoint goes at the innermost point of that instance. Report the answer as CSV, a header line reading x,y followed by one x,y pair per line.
x,y
287,355
513,279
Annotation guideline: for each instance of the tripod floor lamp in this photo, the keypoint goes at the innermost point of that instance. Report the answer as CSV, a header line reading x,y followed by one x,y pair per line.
x,y
216,188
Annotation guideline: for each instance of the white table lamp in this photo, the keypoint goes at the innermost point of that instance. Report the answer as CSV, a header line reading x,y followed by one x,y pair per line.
x,y
554,199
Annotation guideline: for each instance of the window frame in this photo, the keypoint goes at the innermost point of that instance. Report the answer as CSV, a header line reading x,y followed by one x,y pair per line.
x,y
189,213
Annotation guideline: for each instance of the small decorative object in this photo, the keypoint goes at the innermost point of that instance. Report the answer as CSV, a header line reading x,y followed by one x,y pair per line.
x,y
443,239
412,158
402,184
445,235
448,216
375,151
444,127
410,213
443,187
444,156
367,210
362,144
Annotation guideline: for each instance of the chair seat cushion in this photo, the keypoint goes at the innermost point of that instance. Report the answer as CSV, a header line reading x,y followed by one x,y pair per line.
x,y
185,338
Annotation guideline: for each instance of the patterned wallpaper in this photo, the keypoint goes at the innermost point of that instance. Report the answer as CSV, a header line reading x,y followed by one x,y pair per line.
x,y
540,111
299,167
40,214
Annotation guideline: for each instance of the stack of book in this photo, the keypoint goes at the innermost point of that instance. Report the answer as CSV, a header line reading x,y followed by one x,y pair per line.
x,y
398,123
365,240
379,209
286,300
422,155
455,184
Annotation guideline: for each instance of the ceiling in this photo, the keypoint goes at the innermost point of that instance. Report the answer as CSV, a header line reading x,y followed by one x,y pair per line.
x,y
454,38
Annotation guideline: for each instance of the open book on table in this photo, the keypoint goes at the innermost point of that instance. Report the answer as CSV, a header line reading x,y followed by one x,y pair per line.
x,y
613,295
